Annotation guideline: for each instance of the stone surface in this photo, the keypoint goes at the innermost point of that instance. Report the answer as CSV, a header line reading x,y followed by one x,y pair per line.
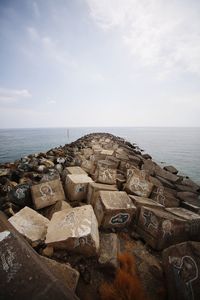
x,y
23,274
31,225
108,253
171,169
94,187
137,183
106,174
114,209
166,175
75,230
64,272
192,221
165,198
48,212
47,193
75,171
76,187
160,229
20,195
187,196
182,266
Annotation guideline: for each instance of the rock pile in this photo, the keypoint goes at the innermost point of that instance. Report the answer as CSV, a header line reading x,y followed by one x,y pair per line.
x,y
81,205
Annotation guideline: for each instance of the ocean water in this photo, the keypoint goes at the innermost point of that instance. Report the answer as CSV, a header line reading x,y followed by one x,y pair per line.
x,y
177,146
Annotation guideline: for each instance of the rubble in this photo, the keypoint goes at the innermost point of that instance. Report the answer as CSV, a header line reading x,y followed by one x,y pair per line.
x,y
63,200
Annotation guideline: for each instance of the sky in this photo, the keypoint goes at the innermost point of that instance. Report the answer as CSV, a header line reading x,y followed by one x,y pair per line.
x,y
68,63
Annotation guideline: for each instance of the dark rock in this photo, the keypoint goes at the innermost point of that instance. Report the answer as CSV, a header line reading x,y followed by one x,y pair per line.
x,y
171,169
20,195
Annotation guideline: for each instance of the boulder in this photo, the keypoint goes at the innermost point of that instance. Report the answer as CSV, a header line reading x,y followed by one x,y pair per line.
x,y
187,196
94,187
76,187
47,193
106,172
114,209
20,195
109,248
160,229
23,274
181,264
190,183
31,225
137,183
75,230
64,272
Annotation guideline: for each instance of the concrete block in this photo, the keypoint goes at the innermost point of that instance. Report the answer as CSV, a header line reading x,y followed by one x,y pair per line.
x,y
109,248
114,209
75,230
48,212
47,193
76,187
94,187
137,183
31,225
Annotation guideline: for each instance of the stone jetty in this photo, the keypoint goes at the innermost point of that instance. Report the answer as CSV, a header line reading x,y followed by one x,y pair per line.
x,y
67,214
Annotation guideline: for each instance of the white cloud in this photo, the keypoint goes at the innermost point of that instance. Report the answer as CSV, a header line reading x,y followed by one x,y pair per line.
x,y
157,33
11,95
50,101
50,48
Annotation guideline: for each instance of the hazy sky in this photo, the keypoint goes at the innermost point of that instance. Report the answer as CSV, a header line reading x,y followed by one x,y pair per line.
x,y
99,63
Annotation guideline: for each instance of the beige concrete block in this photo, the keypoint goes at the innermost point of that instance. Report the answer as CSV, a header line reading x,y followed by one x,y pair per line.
x,y
76,187
114,209
137,183
94,187
48,212
30,224
75,230
75,171
47,193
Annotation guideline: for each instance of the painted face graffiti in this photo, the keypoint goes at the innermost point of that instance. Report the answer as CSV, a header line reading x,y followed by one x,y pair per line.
x,y
167,228
120,218
46,190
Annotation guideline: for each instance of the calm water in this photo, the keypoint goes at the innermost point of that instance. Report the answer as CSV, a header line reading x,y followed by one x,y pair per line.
x,y
177,146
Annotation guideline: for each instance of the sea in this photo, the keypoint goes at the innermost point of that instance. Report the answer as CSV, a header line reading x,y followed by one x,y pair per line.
x,y
177,146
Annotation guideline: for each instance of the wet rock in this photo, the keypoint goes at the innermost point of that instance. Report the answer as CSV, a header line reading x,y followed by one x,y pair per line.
x,y
171,169
47,193
20,195
94,187
181,266
109,248
160,195
75,230
160,229
76,187
23,274
31,225
137,183
64,272
48,212
114,209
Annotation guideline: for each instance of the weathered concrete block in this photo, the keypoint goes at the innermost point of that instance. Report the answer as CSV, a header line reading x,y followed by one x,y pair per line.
x,y
171,169
105,153
114,209
94,187
137,183
181,266
106,175
20,195
160,229
75,230
192,221
194,206
76,187
161,196
23,274
108,253
166,175
88,166
75,171
31,225
64,272
47,193
48,212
